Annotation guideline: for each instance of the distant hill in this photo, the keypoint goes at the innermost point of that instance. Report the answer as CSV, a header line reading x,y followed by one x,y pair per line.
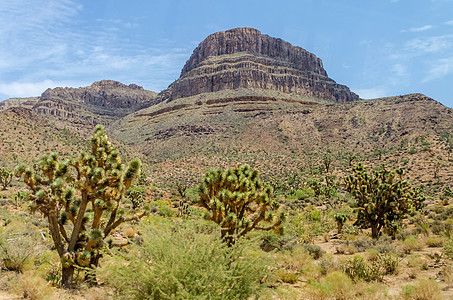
x,y
102,102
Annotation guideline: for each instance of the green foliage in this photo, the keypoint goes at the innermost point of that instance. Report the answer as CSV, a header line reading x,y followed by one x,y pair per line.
x,y
186,261
136,195
448,248
81,199
6,175
357,268
239,202
383,198
340,218
18,243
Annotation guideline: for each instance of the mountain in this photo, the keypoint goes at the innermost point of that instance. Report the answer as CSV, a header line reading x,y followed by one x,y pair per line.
x,y
243,58
103,102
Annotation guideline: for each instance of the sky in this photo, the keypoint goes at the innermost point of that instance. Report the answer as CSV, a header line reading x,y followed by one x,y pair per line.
x,y
377,48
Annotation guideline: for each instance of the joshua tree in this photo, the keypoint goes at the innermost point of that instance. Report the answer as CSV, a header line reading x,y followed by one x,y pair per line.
x,y
341,219
239,202
81,198
384,199
6,175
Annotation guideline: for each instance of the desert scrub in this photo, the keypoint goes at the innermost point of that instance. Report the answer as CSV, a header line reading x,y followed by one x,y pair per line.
x,y
177,262
424,289
336,285
18,244
357,268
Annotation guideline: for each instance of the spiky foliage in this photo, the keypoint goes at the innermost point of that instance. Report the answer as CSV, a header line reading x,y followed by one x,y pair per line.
x,y
239,202
340,218
6,175
383,198
81,198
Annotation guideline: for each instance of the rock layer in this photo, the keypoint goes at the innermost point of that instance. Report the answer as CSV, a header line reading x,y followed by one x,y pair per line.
x,y
245,58
102,102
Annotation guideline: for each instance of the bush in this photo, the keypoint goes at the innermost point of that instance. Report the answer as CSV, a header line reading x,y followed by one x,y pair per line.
x,y
314,250
412,244
448,248
18,244
424,289
358,268
336,285
177,262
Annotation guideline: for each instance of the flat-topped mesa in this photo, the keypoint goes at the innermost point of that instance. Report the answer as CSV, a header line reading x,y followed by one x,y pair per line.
x,y
245,58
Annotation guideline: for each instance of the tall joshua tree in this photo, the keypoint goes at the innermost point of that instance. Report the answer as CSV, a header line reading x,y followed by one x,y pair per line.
x,y
239,202
383,198
81,199
6,175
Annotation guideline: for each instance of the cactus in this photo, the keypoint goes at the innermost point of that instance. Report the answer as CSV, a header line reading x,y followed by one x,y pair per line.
x,y
81,199
239,202
383,198
6,175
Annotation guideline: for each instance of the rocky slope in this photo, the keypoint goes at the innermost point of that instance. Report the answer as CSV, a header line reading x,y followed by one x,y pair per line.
x,y
245,58
102,102
19,102
284,136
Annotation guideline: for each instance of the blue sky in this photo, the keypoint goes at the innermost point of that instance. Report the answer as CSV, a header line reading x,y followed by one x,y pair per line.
x,y
378,48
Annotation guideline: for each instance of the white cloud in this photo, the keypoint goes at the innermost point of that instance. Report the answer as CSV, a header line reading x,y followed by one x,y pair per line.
x,y
431,44
371,93
441,68
418,29
449,23
32,89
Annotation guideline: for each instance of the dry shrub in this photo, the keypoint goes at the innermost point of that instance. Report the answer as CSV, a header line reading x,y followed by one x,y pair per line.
x,y
424,289
435,241
18,244
31,286
411,244
336,285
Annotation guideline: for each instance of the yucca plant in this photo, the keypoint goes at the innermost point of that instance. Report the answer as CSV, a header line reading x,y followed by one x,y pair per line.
x,y
81,199
239,202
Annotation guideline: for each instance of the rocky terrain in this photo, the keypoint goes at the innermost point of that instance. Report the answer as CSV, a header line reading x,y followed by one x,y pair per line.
x,y
19,102
244,58
102,102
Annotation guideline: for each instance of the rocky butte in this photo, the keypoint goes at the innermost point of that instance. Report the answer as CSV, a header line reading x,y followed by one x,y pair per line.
x,y
243,58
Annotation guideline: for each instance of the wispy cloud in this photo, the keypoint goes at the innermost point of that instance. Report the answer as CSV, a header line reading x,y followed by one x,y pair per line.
x,y
441,68
418,29
52,37
449,23
431,44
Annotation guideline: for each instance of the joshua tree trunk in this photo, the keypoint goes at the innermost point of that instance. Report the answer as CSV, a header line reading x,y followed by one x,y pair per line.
x,y
374,232
67,277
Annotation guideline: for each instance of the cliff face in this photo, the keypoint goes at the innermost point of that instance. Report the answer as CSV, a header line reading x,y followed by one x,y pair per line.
x,y
244,58
102,102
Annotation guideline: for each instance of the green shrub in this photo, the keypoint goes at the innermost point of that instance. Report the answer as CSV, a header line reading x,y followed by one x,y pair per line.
x,y
177,262
18,243
357,268
448,248
412,244
335,285
314,250
424,289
